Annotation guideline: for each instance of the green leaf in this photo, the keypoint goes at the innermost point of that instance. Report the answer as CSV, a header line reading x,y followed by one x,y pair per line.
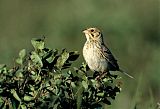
x,y
19,61
28,98
101,94
85,84
38,43
14,93
62,59
1,100
36,59
23,106
19,74
73,56
73,85
33,72
3,68
22,53
56,106
50,59
79,96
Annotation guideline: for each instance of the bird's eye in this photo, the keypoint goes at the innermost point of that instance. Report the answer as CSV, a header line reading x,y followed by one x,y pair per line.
x,y
92,30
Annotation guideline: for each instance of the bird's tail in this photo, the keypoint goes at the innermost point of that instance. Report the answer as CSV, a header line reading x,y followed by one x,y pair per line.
x,y
126,74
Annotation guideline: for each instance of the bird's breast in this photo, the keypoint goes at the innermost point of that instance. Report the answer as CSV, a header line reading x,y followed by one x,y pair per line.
x,y
93,58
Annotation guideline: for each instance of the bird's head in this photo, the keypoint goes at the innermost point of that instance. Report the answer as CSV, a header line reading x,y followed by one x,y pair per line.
x,y
93,34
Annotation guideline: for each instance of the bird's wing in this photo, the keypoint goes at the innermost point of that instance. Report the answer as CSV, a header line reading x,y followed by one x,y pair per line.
x,y
112,62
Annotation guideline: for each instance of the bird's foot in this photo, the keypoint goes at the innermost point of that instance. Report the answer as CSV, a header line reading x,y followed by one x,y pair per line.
x,y
101,76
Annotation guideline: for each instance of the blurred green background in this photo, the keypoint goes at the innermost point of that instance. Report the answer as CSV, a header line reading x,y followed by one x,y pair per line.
x,y
130,27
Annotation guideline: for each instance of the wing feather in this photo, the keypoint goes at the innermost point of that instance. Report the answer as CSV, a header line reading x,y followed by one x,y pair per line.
x,y
112,62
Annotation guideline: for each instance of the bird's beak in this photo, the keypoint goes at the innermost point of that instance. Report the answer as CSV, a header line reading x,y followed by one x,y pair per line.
x,y
85,31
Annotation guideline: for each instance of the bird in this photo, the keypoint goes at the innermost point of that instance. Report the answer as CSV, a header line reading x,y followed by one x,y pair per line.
x,y
97,55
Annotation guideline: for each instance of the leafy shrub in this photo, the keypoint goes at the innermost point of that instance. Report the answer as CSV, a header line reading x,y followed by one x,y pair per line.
x,y
45,79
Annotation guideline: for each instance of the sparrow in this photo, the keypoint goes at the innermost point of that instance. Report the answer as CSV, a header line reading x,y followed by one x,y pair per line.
x,y
97,55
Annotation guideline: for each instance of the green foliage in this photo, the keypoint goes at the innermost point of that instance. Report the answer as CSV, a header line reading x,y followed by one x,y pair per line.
x,y
45,79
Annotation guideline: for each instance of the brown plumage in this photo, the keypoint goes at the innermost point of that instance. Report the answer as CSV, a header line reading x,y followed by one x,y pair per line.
x,y
96,54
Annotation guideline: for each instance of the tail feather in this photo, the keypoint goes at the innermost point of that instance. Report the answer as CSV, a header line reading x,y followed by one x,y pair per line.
x,y
126,74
